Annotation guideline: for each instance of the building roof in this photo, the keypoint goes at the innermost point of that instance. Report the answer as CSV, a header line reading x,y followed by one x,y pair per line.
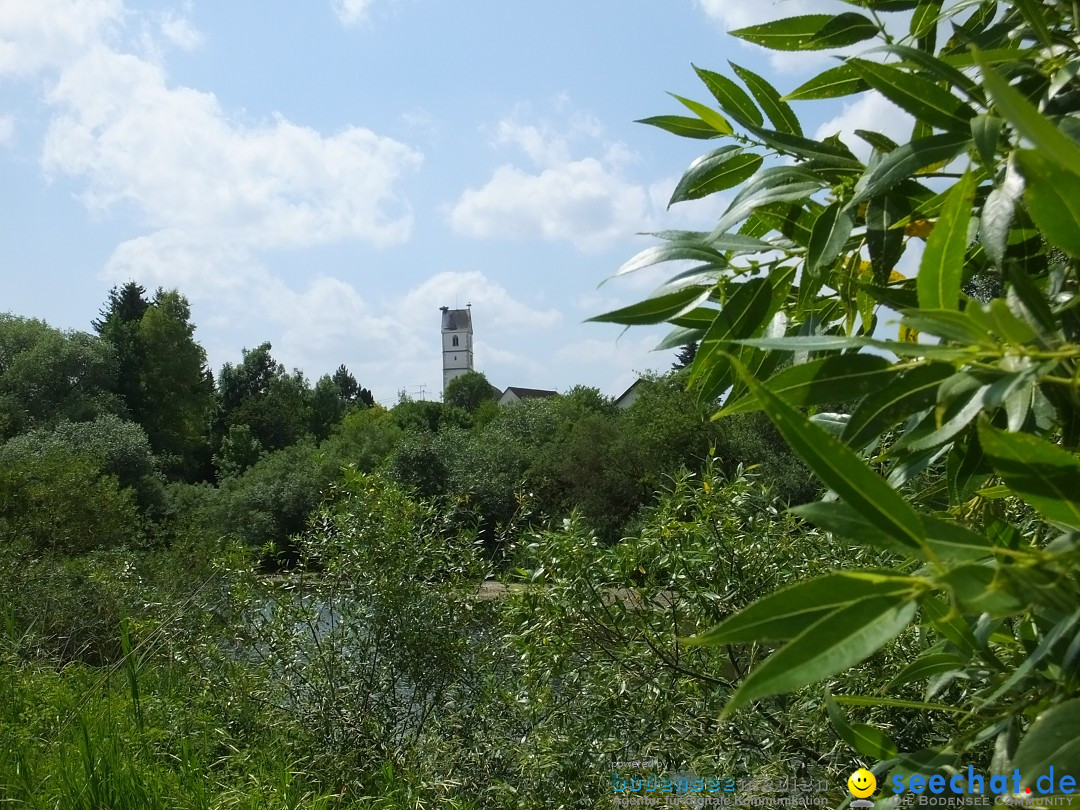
x,y
529,393
626,397
455,319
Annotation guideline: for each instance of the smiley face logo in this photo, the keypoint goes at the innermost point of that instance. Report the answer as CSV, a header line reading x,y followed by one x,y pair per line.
x,y
862,783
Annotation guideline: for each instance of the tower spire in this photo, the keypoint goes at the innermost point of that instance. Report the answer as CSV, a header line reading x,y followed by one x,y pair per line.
x,y
457,342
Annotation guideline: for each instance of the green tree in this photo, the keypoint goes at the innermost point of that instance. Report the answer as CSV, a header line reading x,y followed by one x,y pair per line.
x,y
468,391
176,387
239,450
162,375
47,376
328,406
685,356
350,388
958,461
364,439
259,393
118,325
424,416
272,500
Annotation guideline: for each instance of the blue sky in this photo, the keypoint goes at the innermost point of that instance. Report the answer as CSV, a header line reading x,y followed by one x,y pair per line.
x,y
325,174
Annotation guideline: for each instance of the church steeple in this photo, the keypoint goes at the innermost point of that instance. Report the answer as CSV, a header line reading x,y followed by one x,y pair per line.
x,y
457,349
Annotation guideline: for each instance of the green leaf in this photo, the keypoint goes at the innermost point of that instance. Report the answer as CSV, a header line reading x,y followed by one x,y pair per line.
x,y
1051,638
732,99
706,114
883,143
942,266
787,612
950,624
997,318
910,392
761,364
950,324
779,112
679,337
747,312
941,69
1041,473
681,125
794,221
986,133
922,98
997,215
927,666
947,421
925,18
866,739
907,159
777,184
1051,742
834,643
715,171
828,379
842,470
896,703
950,540
964,471
808,343
832,83
1030,299
1034,13
822,153
738,243
831,231
944,539
675,251
729,242
809,32
1036,127
843,30
657,309
1053,200
885,244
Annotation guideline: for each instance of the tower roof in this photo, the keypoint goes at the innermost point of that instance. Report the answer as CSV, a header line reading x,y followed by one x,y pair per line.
x,y
455,319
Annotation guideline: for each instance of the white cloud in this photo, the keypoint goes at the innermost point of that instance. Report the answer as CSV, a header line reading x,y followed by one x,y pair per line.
x,y
589,202
180,32
211,189
48,33
872,111
352,12
582,202
456,289
176,158
614,363
329,322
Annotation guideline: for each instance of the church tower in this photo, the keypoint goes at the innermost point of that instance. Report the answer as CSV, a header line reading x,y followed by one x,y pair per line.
x,y
457,356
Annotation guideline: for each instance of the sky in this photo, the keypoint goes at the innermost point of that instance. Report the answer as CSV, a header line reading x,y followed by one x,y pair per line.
x,y
325,174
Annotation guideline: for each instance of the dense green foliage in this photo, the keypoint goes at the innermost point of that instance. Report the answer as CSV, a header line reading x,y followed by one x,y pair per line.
x,y
958,459
269,597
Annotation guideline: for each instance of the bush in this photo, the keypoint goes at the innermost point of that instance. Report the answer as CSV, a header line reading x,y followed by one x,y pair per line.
x,y
59,502
115,446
